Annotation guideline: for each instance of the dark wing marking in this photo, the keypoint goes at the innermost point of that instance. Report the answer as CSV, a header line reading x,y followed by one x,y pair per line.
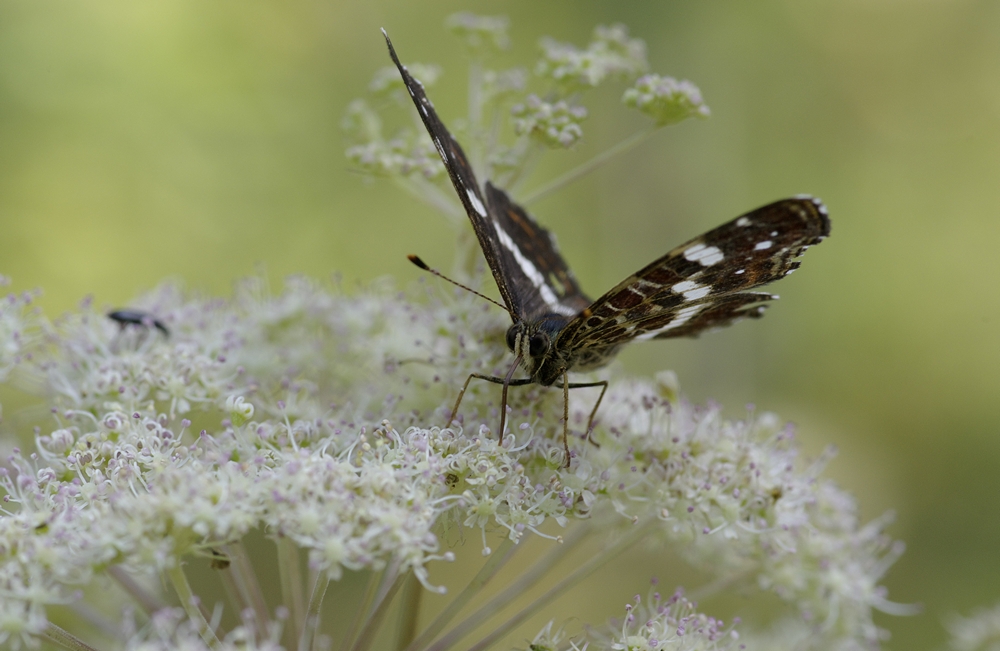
x,y
703,284
541,279
464,180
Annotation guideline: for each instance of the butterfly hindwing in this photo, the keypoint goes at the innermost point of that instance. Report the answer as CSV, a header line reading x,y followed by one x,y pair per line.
x,y
703,284
542,280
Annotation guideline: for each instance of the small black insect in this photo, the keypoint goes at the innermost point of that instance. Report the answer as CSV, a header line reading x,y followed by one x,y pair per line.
x,y
126,318
697,286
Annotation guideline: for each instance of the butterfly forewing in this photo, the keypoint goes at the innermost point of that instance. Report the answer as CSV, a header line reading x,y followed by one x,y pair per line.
x,y
703,284
463,178
532,277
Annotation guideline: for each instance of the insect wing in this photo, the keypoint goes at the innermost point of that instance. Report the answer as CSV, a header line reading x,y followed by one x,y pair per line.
x,y
541,279
704,283
464,180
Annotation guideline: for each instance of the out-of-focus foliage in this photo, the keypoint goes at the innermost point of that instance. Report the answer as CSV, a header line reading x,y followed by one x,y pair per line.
x,y
141,140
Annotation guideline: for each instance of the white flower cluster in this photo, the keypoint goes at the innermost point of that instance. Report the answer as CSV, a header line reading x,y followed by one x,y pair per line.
x,y
319,422
612,54
665,99
654,624
980,632
552,124
480,32
169,630
14,330
672,624
551,118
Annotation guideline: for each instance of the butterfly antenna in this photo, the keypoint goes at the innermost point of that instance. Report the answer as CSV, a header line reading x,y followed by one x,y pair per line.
x,y
423,265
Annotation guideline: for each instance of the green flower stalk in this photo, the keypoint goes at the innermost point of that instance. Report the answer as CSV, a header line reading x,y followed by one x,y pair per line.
x,y
316,420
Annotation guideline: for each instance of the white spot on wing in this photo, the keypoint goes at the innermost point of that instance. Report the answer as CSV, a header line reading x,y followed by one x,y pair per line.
x,y
761,246
683,316
691,290
684,286
742,221
529,269
739,271
820,206
477,205
441,150
705,255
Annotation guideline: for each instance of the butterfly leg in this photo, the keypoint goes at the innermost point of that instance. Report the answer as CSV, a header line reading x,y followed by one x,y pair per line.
x,y
566,416
495,380
593,412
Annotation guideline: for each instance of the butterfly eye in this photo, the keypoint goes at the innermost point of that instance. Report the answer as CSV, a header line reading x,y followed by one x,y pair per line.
x,y
511,337
538,345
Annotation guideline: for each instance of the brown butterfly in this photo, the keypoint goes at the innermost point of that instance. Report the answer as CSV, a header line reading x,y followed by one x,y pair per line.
x,y
700,285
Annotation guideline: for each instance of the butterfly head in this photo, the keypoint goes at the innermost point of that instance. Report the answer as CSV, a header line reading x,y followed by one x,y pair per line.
x,y
531,342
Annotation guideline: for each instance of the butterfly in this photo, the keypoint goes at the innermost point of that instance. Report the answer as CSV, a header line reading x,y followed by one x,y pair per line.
x,y
702,284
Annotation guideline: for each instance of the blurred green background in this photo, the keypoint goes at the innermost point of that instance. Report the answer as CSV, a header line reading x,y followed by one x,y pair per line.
x,y
193,139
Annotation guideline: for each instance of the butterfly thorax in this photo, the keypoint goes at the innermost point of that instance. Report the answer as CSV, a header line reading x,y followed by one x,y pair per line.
x,y
534,341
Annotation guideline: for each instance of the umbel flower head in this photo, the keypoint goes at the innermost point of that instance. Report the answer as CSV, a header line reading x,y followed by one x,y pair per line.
x,y
319,421
311,430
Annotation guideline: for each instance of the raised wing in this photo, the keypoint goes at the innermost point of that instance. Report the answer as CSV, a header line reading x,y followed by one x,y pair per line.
x,y
703,284
464,180
542,282
532,277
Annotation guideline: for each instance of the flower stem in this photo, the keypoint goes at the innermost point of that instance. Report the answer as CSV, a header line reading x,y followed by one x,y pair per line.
x,y
64,639
291,583
409,610
311,625
391,581
502,554
149,602
512,592
578,575
432,196
248,586
366,599
589,166
190,604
